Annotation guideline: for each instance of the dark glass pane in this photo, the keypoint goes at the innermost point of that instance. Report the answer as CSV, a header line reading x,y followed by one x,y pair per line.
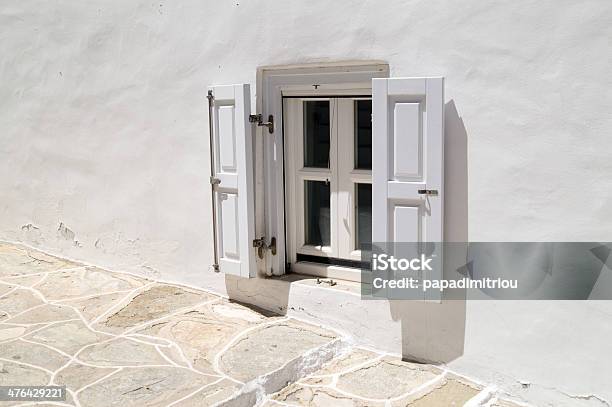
x,y
363,214
317,219
316,133
363,134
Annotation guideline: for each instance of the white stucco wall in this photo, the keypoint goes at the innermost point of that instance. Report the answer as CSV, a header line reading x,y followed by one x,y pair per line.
x,y
104,149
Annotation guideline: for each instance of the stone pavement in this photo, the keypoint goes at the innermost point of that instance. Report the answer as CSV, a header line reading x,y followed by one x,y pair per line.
x,y
118,340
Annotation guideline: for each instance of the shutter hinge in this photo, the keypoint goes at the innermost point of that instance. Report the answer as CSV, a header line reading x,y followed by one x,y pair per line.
x,y
214,181
260,245
258,119
210,96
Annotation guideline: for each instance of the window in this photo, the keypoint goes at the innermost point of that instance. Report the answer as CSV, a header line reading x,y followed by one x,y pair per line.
x,y
276,86
328,162
407,157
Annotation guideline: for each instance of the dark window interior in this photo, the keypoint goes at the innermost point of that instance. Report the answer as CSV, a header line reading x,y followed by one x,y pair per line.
x,y
316,133
363,134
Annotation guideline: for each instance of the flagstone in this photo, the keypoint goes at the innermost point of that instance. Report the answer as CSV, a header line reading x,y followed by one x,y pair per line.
x,y
203,332
266,349
152,340
165,330
83,282
11,332
174,354
16,261
236,312
211,394
26,280
347,361
97,305
317,381
45,313
151,387
154,303
32,354
69,337
19,301
5,288
24,329
296,394
398,377
15,374
449,392
76,375
121,352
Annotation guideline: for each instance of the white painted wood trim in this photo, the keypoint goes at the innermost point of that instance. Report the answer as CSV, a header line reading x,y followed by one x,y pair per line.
x,y
327,271
235,194
408,156
341,174
271,81
294,144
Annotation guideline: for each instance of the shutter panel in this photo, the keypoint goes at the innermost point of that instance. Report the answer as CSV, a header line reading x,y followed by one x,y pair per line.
x,y
232,166
407,157
408,160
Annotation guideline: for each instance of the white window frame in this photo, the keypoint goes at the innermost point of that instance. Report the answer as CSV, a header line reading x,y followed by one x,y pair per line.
x,y
295,176
272,83
341,175
349,176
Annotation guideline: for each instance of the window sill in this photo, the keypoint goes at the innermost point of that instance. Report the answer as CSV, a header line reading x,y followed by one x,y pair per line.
x,y
348,274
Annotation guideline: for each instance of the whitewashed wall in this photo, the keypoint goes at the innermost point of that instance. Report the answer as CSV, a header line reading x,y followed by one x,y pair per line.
x,y
104,149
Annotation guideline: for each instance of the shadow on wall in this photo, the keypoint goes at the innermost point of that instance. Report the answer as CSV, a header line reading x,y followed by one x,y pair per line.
x,y
435,332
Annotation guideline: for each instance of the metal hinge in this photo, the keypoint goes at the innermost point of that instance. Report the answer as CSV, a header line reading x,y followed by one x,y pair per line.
x,y
258,119
214,181
428,192
210,96
260,245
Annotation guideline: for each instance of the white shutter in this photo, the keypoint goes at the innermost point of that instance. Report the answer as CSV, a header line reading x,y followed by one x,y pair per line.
x,y
407,158
232,167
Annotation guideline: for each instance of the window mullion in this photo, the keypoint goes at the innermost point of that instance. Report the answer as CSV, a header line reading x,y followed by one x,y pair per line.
x,y
334,187
345,195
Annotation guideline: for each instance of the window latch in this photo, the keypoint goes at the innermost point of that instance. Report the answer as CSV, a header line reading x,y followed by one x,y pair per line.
x,y
330,282
258,119
428,192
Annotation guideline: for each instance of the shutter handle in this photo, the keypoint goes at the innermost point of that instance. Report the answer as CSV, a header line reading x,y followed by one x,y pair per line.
x,y
427,191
